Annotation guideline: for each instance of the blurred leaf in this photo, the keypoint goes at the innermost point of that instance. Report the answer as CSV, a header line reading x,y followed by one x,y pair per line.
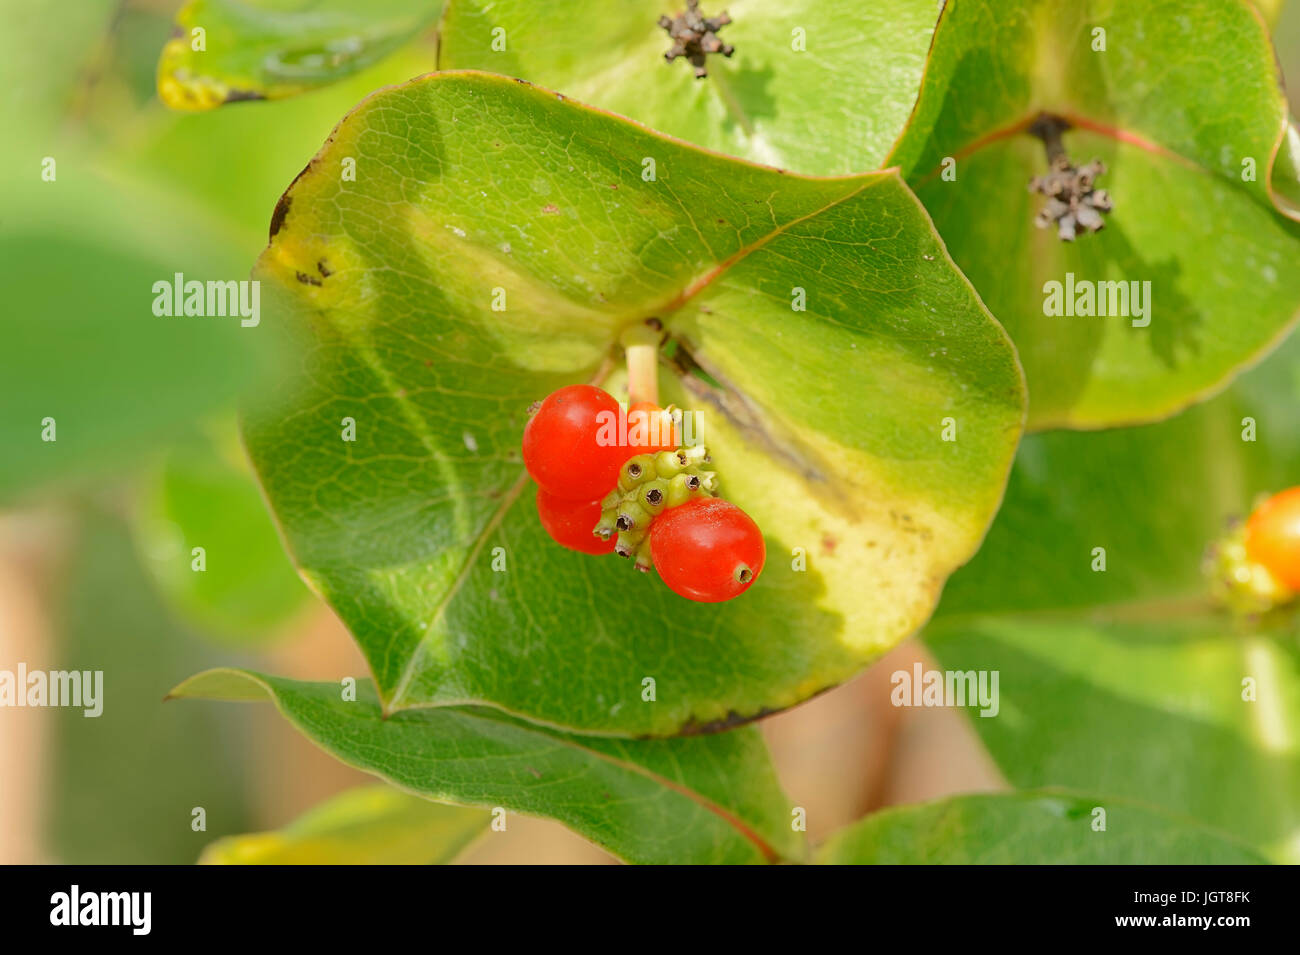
x,y
1185,91
200,498
206,156
821,86
389,283
82,343
371,825
1041,828
1145,708
270,49
34,94
1154,497
1127,681
124,784
711,799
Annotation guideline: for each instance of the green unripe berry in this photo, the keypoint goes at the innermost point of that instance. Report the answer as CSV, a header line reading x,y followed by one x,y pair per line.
x,y
644,561
682,488
669,463
632,516
606,526
629,541
653,495
635,471
694,454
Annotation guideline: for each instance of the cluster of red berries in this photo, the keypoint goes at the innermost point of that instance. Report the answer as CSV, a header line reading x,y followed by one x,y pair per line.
x,y
610,481
1256,566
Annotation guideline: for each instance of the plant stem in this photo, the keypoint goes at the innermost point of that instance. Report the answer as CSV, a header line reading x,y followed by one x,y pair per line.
x,y
1049,128
641,344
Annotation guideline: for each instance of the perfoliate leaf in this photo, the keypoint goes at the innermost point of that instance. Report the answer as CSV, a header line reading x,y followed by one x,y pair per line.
x,y
1117,673
496,240
370,825
1033,828
225,51
1181,101
821,86
712,799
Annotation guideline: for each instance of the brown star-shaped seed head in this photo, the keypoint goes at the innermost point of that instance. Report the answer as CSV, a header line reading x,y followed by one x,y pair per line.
x,y
1073,202
695,36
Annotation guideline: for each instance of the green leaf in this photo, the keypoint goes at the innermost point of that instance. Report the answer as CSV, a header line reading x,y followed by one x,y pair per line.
x,y
1270,10
835,105
712,799
34,93
1154,497
826,427
1037,828
205,496
1184,93
1128,681
1145,708
270,49
370,825
83,346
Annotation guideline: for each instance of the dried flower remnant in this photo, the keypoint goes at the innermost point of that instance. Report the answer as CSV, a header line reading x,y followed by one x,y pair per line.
x,y
695,36
1073,202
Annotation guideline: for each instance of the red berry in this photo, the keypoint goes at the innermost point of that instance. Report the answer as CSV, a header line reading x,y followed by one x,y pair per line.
x,y
707,549
650,430
567,445
570,522
1273,536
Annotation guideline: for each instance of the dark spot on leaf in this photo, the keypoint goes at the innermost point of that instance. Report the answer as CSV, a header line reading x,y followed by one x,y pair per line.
x,y
428,363
243,96
534,772
306,279
282,207
550,209
323,270
828,544
730,721
613,185
277,217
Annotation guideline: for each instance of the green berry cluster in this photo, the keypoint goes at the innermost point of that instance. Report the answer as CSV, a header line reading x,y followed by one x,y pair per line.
x,y
649,484
1242,585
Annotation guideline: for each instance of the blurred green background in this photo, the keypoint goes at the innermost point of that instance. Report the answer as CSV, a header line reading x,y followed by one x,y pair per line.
x,y
97,528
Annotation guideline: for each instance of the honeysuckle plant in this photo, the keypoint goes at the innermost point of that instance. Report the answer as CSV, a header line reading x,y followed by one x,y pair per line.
x,y
831,213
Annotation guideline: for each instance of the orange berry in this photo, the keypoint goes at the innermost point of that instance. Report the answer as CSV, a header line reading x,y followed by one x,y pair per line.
x,y
1273,536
